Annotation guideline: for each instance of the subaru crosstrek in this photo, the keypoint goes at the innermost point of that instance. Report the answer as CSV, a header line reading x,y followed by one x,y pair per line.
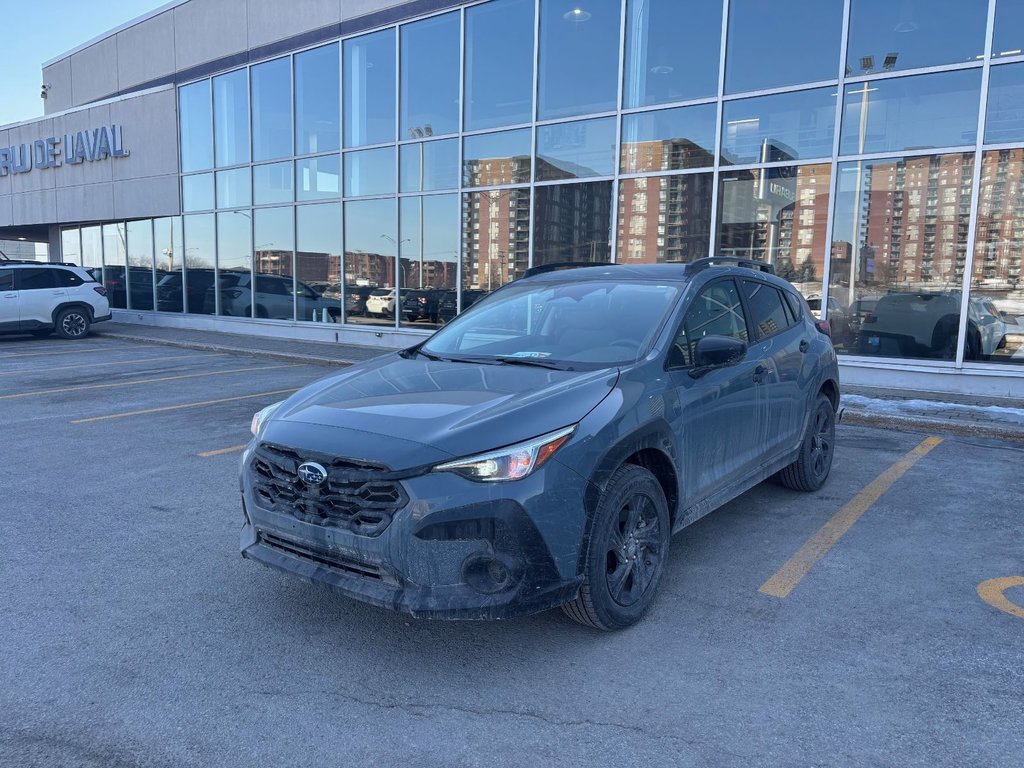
x,y
541,449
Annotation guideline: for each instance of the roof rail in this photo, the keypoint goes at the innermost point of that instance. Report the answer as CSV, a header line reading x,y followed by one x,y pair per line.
x,y
540,269
730,261
6,260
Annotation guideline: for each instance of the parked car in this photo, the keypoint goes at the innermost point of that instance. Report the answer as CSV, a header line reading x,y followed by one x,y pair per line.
x,y
41,299
272,298
540,450
447,305
421,304
119,281
355,299
381,302
177,294
838,319
927,324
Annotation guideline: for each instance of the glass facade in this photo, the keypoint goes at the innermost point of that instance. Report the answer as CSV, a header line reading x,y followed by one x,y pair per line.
x,y
393,178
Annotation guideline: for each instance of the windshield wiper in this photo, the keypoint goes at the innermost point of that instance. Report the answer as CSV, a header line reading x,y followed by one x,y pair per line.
x,y
538,362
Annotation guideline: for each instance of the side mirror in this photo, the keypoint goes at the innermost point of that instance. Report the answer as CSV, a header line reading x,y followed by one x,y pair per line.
x,y
716,352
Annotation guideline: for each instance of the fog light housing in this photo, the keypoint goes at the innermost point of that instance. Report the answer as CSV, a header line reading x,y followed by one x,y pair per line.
x,y
490,574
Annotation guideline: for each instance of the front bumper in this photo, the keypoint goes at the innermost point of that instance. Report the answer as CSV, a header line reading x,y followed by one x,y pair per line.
x,y
457,550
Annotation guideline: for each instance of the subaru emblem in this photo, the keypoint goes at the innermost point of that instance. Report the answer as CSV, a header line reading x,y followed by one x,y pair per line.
x,y
312,473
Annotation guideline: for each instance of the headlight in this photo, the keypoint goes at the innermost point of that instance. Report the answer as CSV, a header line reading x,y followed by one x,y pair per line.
x,y
511,463
260,417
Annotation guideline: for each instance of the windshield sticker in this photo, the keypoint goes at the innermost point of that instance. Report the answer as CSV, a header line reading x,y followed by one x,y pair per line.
x,y
529,354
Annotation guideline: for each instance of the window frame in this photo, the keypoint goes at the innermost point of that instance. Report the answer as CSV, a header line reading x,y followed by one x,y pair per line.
x,y
756,334
687,304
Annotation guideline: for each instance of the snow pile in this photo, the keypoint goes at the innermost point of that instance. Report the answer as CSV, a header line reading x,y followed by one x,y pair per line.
x,y
931,407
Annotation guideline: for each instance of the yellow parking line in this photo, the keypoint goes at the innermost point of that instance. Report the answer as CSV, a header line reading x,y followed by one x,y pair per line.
x,y
816,547
222,451
992,592
144,381
164,408
115,362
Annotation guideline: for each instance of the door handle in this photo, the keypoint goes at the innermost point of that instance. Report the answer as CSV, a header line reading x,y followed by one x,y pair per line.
x,y
804,345
10,295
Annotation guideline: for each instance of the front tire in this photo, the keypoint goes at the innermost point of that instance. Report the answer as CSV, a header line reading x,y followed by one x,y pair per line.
x,y
810,471
73,323
627,552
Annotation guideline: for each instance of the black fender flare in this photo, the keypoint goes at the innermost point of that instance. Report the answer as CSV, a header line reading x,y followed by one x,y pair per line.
x,y
655,435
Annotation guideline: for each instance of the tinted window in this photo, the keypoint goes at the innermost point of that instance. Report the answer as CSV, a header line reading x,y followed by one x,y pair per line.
x,y
317,101
6,279
572,222
233,188
716,311
490,159
369,88
499,64
767,311
33,279
429,166
197,192
782,43
576,150
66,278
887,35
430,77
370,172
318,177
578,57
1005,120
194,112
664,218
664,39
231,118
939,110
1009,33
669,139
272,110
272,183
786,126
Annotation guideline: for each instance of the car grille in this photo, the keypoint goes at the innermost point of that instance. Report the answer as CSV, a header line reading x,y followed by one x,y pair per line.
x,y
351,498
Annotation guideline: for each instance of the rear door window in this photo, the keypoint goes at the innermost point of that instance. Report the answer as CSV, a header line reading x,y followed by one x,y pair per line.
x,y
34,279
6,279
767,310
67,279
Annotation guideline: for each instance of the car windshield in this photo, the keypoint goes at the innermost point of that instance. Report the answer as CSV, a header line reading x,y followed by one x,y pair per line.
x,y
589,324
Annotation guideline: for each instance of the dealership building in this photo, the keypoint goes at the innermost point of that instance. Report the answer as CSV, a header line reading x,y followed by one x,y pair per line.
x,y
361,170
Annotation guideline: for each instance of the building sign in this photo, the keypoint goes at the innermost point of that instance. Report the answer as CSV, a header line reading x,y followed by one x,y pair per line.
x,y
70,149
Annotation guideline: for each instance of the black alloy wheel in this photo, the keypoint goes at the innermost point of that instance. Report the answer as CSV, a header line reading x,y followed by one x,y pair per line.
x,y
72,324
811,469
627,553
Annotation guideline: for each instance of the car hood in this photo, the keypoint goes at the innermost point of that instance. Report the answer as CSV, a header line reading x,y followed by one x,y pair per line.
x,y
407,412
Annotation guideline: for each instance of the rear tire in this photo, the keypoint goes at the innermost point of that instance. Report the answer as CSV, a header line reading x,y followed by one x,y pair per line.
x,y
810,471
626,554
73,323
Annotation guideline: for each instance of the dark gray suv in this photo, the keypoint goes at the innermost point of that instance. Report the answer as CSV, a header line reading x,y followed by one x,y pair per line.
x,y
541,449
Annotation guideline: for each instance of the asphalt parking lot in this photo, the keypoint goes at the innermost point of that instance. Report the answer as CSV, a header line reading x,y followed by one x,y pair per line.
x,y
842,628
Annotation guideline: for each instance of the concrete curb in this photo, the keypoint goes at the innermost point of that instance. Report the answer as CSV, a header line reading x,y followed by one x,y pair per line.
x,y
327,362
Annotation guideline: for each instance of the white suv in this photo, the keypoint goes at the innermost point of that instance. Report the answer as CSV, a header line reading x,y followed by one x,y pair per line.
x,y
41,299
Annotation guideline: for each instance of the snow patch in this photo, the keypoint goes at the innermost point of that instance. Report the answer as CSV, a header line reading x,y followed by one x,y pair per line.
x,y
916,407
